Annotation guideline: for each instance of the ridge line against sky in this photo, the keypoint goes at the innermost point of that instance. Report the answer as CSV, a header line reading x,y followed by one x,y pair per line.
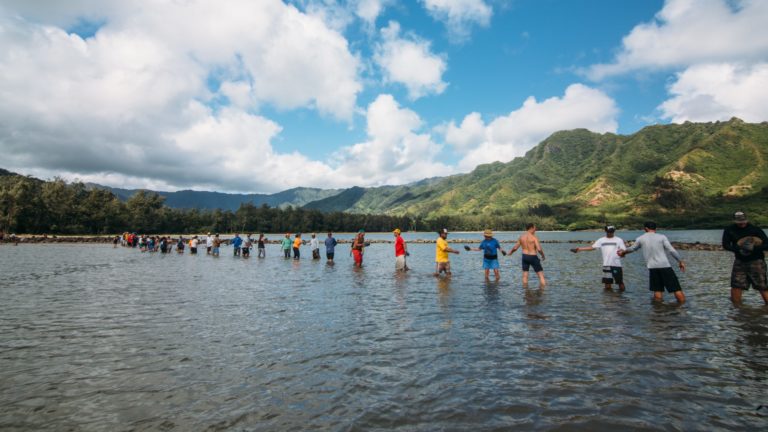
x,y
259,97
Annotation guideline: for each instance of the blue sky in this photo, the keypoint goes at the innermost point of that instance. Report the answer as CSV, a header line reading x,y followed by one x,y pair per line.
x,y
247,96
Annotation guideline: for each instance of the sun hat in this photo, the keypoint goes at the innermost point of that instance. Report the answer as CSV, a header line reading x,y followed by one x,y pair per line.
x,y
488,233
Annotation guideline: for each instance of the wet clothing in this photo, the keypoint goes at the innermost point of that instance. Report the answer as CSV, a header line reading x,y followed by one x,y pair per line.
x,y
532,261
330,245
489,246
655,247
746,273
399,246
661,278
609,246
400,262
613,275
286,246
357,254
490,264
734,234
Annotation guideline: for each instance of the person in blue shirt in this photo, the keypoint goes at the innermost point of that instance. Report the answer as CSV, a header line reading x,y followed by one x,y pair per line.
x,y
489,246
236,243
330,247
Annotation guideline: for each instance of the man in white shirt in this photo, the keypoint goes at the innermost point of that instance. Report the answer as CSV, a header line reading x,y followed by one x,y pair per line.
x,y
314,244
208,244
609,246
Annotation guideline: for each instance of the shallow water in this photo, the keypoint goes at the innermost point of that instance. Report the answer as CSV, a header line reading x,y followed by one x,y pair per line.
x,y
95,338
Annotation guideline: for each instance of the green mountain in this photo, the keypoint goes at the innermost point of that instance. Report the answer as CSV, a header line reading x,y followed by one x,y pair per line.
x,y
693,174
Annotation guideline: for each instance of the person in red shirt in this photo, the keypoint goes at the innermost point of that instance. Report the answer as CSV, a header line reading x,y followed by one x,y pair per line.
x,y
401,251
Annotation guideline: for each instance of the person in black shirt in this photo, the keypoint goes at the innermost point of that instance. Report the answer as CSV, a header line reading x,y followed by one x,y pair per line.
x,y
748,243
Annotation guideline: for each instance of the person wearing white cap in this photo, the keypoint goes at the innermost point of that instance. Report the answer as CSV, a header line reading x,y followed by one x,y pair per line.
x,y
609,246
442,262
748,243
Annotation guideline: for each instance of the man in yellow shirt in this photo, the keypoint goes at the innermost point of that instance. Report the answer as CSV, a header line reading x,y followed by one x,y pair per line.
x,y
442,263
296,244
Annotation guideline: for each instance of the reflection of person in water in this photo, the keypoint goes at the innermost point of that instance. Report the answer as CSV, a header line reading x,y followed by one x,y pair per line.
x,y
748,244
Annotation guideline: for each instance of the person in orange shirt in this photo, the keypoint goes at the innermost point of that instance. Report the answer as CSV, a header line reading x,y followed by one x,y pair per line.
x,y
296,244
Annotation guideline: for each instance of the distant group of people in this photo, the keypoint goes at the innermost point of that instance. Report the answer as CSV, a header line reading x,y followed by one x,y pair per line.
x,y
745,240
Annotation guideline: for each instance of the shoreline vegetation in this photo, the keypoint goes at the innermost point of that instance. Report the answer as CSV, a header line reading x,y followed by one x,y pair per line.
x,y
45,239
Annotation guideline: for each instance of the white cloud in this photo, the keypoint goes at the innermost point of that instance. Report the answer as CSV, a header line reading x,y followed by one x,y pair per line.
x,y
507,137
718,92
687,32
459,15
369,10
129,102
395,152
408,61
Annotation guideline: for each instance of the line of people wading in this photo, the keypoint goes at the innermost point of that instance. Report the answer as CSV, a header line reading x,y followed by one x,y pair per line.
x,y
748,243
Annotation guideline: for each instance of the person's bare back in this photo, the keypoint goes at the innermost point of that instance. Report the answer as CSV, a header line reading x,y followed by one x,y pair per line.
x,y
529,243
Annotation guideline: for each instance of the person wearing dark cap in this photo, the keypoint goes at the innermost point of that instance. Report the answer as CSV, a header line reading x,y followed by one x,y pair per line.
x,y
655,247
442,262
609,246
748,243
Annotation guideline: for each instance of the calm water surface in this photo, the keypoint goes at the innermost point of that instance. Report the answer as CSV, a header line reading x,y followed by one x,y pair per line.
x,y
94,338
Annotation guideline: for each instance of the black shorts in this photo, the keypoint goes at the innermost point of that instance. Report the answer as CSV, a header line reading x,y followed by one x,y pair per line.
x,y
532,260
208,249
192,250
660,278
246,251
613,275
329,255
746,273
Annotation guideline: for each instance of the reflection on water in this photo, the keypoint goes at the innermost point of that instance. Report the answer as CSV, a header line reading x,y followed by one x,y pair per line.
x,y
95,338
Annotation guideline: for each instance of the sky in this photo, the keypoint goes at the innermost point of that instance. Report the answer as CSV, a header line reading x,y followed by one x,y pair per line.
x,y
260,96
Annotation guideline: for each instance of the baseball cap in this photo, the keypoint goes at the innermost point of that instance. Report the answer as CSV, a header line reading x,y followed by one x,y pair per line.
x,y
739,216
396,231
610,228
443,230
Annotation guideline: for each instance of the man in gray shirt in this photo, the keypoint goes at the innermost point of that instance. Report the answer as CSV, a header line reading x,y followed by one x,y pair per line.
x,y
655,247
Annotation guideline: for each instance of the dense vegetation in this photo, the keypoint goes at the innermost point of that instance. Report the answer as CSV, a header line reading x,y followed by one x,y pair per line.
x,y
29,205
688,175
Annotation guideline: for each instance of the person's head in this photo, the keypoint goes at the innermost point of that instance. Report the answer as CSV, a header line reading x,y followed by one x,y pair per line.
x,y
396,232
330,234
530,227
740,219
488,233
649,226
237,235
443,232
195,237
209,233
217,236
298,235
610,230
314,235
287,235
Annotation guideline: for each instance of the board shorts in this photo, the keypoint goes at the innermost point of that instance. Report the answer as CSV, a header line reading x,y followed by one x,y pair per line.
x,y
660,278
215,251
490,264
329,255
358,256
746,273
532,261
400,262
613,275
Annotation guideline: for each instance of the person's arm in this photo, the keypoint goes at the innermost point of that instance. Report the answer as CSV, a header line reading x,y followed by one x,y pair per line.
x,y
515,247
672,251
539,249
635,246
728,243
582,249
761,235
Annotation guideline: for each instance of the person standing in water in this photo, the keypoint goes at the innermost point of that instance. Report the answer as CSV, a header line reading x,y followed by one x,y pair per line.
x,y
748,243
442,261
286,245
208,244
401,251
330,247
216,245
314,245
247,245
531,250
358,245
655,247
609,245
236,242
296,245
489,246
193,245
180,245
261,246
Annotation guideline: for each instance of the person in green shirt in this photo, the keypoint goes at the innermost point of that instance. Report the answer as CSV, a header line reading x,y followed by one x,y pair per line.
x,y
286,245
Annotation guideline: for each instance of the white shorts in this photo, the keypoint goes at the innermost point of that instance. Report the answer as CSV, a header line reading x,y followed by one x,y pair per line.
x,y
400,262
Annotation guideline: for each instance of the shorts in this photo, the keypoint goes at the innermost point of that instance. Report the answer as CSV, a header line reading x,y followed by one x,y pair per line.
x,y
614,275
193,251
444,267
208,249
358,255
215,251
400,262
246,251
660,278
490,264
746,273
329,255
316,254
532,260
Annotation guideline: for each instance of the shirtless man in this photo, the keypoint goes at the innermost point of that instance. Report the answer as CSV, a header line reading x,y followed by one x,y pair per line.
x,y
531,248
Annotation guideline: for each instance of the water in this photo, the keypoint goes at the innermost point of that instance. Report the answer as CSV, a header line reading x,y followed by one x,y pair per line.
x,y
94,338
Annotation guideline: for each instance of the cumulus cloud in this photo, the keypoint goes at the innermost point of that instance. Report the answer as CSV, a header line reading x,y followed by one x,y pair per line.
x,y
459,15
132,101
687,32
507,137
395,151
718,92
409,61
